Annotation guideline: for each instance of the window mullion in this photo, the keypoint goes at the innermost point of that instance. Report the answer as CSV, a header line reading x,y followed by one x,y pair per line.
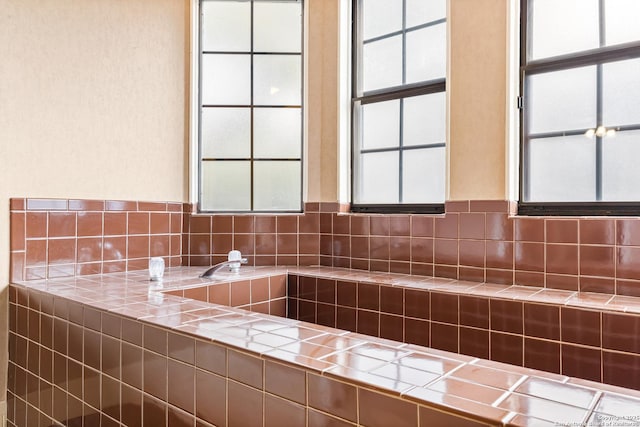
x,y
404,81
404,42
252,108
599,100
599,138
400,152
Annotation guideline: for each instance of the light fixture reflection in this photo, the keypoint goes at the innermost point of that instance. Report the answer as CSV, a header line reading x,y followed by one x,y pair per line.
x,y
600,132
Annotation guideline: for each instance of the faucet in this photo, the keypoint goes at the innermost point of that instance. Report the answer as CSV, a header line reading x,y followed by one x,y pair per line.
x,y
234,266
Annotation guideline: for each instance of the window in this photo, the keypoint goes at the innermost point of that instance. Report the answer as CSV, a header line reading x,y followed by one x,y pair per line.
x,y
250,106
399,105
581,99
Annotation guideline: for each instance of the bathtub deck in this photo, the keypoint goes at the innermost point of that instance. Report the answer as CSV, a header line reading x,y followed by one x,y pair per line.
x,y
422,383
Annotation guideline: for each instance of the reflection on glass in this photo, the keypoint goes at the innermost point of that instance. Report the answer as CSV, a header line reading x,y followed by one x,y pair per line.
x,y
621,90
276,185
277,132
425,119
423,11
427,54
226,80
276,79
226,132
382,63
622,17
277,26
378,178
226,26
423,176
563,26
381,17
381,124
562,169
562,100
620,176
226,185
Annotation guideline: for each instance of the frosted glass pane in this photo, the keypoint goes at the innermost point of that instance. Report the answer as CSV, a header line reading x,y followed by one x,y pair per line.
x,y
277,80
226,80
427,54
622,17
277,132
226,133
425,119
276,186
562,169
423,11
621,88
382,64
620,172
226,186
562,100
381,124
423,176
377,178
277,27
381,17
563,26
226,26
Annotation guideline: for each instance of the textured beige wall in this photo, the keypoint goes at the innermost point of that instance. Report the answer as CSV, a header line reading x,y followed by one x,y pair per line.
x,y
93,104
477,85
322,97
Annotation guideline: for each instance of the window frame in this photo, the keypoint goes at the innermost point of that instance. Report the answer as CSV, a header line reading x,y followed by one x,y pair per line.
x,y
252,53
592,57
387,94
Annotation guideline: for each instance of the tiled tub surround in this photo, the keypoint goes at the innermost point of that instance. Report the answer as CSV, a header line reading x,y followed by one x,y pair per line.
x,y
266,295
59,237
265,239
482,241
475,240
586,335
98,347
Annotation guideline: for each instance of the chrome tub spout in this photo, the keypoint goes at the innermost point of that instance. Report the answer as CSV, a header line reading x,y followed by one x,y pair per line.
x,y
234,266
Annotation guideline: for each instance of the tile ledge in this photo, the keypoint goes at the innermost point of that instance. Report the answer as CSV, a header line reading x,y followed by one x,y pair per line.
x,y
92,291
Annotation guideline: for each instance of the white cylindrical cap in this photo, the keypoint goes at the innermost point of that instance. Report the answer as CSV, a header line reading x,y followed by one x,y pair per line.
x,y
234,256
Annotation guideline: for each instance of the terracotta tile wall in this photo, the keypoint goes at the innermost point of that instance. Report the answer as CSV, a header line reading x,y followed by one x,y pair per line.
x,y
578,342
482,241
73,365
266,295
58,237
474,240
262,238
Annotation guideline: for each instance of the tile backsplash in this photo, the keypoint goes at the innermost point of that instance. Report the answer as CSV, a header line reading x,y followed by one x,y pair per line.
x,y
265,239
474,240
59,237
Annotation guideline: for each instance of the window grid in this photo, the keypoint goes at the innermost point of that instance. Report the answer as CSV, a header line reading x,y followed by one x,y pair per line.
x,y
594,57
251,107
361,98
